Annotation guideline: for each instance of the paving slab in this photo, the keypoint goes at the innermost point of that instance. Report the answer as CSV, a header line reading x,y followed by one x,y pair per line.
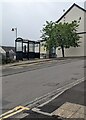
x,y
78,115
70,107
63,113
82,110
70,110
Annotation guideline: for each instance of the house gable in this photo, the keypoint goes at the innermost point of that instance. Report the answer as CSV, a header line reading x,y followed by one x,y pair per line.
x,y
75,13
74,5
2,50
8,48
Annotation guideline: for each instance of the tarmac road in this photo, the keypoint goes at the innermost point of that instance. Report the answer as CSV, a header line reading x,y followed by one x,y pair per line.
x,y
20,88
75,95
16,69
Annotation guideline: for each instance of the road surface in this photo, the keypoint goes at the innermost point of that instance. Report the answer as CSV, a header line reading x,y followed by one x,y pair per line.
x,y
75,97
23,84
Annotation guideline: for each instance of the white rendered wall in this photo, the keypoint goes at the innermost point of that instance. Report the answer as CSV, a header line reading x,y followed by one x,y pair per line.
x,y
74,14
42,49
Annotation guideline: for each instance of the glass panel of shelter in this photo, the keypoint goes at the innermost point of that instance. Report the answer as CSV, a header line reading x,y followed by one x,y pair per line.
x,y
31,46
19,46
37,47
27,49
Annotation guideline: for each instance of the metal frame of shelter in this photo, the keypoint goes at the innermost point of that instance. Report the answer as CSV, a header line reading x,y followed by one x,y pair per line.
x,y
27,49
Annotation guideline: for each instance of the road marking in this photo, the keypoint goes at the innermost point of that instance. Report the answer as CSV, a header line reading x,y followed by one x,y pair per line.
x,y
30,64
57,91
19,109
41,105
24,65
37,63
16,67
66,87
67,110
38,111
12,112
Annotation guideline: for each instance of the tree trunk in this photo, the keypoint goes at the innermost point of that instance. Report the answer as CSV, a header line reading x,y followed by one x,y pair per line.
x,y
62,47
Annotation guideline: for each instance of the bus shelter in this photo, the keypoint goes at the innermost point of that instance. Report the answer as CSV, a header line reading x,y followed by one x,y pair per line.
x,y
27,49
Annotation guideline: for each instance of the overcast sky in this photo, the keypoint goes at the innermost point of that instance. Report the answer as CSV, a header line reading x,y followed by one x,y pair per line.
x,y
29,18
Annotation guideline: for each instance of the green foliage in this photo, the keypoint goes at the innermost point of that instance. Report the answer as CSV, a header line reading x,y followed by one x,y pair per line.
x,y
48,35
8,60
62,35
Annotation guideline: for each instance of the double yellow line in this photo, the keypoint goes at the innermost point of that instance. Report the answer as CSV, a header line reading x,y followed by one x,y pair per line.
x,y
12,112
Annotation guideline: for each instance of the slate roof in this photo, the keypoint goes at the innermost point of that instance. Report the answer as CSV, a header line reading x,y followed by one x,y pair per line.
x,y
8,48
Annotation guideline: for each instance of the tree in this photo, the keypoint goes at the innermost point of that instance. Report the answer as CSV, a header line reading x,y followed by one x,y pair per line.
x,y
48,35
63,35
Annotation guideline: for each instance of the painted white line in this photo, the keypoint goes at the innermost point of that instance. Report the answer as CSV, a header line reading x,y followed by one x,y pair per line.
x,y
16,67
50,114
58,91
38,111
68,87
50,99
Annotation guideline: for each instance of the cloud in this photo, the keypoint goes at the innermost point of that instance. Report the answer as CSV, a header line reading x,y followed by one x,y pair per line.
x,y
29,18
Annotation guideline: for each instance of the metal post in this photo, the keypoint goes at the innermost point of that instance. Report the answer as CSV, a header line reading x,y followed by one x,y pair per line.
x,y
16,32
39,49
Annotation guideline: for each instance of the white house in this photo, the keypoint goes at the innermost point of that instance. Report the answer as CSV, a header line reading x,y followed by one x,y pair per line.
x,y
77,13
7,52
2,54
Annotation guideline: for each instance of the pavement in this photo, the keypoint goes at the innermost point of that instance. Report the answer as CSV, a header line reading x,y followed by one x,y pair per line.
x,y
25,62
36,61
24,66
71,110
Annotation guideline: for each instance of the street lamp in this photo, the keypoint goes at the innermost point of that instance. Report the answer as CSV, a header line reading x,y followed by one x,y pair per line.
x,y
15,29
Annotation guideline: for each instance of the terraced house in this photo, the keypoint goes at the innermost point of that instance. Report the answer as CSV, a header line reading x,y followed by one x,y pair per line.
x,y
7,52
77,13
